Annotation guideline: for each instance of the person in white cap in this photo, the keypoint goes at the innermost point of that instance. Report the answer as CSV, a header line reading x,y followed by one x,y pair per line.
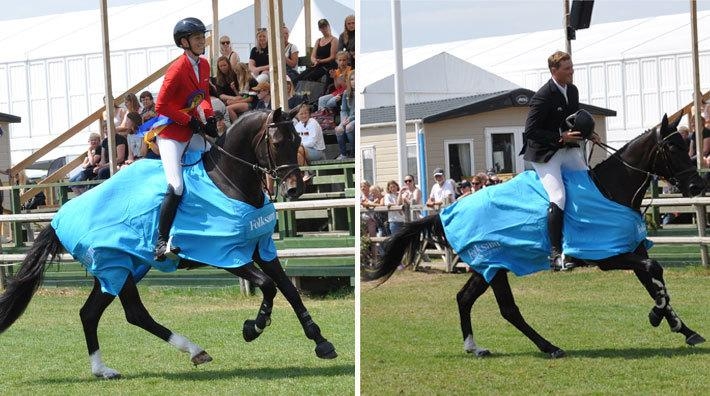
x,y
443,192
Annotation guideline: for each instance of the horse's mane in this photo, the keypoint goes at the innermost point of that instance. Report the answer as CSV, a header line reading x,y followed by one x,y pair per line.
x,y
616,156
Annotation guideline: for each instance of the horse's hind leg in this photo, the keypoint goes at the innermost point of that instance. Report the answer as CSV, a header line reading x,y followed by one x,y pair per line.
x,y
137,315
253,328
90,315
509,310
465,298
324,349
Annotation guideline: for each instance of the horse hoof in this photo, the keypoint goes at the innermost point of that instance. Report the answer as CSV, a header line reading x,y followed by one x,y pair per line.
x,y
250,331
326,350
654,318
480,352
109,374
694,339
559,353
200,358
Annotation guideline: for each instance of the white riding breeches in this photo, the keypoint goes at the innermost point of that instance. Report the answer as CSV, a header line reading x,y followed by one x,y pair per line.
x,y
550,172
171,152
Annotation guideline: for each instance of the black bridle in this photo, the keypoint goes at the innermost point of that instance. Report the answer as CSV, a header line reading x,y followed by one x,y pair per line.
x,y
271,168
661,149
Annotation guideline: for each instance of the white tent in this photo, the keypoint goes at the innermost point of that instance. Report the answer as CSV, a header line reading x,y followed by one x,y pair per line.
x,y
441,76
51,72
641,68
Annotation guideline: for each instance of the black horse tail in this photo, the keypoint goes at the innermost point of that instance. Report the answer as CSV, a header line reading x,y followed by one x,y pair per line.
x,y
404,245
21,288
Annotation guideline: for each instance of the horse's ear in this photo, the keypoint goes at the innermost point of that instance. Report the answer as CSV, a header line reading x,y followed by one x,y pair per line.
x,y
664,123
278,114
674,125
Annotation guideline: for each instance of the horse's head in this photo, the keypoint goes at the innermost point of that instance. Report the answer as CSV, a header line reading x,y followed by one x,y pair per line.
x,y
672,161
281,154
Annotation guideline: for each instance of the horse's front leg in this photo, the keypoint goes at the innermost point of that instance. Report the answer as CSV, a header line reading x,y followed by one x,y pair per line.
x,y
324,349
90,315
253,328
474,288
137,315
510,312
650,273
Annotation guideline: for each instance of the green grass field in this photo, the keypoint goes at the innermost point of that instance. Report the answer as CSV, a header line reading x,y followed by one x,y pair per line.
x,y
45,353
411,342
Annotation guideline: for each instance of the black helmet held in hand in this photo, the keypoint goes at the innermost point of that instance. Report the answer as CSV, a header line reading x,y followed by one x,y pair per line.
x,y
581,121
186,27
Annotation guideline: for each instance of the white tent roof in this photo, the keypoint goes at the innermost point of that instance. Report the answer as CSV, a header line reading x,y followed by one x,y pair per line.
x,y
441,76
508,55
146,25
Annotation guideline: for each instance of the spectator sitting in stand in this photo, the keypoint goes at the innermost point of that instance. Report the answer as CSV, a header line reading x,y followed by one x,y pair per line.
x,y
443,192
93,157
312,142
225,82
339,75
221,123
259,56
128,124
263,93
346,41
246,99
133,141
102,170
346,130
322,55
148,109
225,49
465,187
118,114
290,55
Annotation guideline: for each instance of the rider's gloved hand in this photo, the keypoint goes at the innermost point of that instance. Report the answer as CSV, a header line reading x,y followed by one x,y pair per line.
x,y
211,127
196,126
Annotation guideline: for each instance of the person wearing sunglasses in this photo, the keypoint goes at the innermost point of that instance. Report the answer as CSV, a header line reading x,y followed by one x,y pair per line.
x,y
225,49
410,195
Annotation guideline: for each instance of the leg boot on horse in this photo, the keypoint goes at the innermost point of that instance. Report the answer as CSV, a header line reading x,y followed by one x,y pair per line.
x,y
324,348
253,328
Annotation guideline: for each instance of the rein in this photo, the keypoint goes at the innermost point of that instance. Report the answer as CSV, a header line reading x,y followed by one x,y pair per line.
x,y
659,148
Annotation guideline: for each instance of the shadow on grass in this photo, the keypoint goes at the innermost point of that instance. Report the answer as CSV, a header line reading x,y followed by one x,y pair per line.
x,y
625,353
259,373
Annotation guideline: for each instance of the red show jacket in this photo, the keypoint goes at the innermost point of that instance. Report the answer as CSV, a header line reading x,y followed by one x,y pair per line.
x,y
178,93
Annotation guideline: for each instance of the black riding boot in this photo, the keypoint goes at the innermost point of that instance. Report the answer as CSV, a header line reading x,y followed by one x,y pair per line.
x,y
168,209
554,232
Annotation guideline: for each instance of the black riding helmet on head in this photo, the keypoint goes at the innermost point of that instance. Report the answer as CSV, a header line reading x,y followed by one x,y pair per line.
x,y
185,27
581,121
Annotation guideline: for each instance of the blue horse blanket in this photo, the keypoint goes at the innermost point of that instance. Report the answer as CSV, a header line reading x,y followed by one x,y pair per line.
x,y
112,228
505,226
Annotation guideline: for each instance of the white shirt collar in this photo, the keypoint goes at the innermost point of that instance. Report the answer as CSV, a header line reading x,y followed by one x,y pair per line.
x,y
562,89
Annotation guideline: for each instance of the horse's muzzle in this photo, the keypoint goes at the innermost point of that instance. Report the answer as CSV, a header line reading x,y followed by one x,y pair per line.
x,y
696,186
292,186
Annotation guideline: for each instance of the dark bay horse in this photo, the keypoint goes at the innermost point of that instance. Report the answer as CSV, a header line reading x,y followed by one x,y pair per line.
x,y
225,217
622,178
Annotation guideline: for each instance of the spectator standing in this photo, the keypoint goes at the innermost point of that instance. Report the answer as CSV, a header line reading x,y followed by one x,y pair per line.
x,y
323,54
410,195
259,56
443,192
476,184
290,55
225,49
345,132
346,41
395,218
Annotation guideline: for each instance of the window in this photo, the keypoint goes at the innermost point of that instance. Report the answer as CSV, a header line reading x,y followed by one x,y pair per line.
x,y
502,147
412,161
368,164
458,155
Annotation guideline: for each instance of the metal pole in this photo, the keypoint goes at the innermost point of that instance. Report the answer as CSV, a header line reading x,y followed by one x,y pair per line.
x,y
399,100
111,129
565,21
700,209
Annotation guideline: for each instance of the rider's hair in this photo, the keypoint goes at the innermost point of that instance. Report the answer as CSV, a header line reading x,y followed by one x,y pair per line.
x,y
555,59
